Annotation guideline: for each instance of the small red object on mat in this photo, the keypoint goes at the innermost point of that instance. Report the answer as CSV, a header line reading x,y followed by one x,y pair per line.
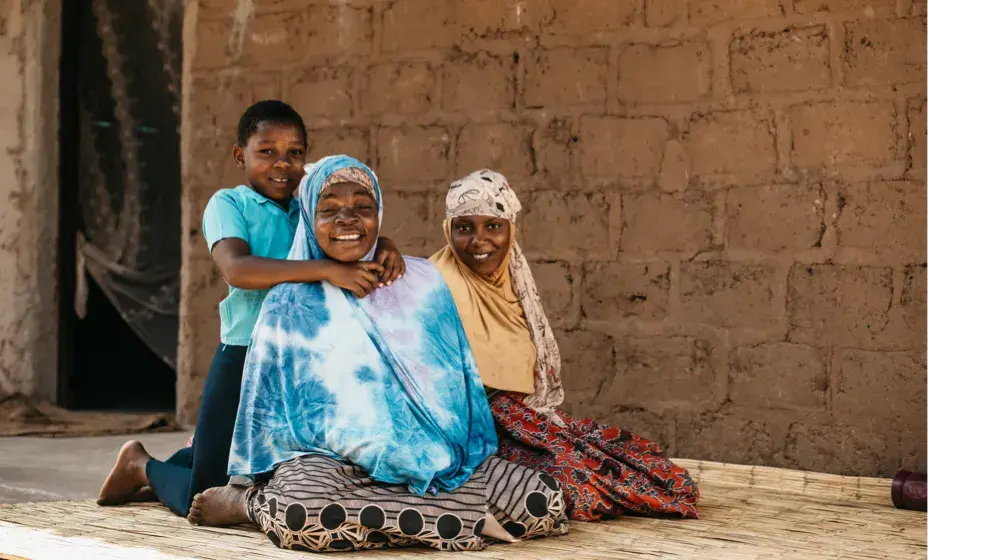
x,y
909,491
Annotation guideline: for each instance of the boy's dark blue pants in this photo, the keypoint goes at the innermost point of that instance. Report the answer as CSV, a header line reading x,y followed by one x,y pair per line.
x,y
204,464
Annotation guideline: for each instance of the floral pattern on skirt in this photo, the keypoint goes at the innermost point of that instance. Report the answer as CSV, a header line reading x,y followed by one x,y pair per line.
x,y
604,471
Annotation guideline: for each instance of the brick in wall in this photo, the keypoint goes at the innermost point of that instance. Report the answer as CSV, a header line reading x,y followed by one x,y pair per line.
x,y
726,294
775,217
650,74
213,38
886,52
502,146
211,172
338,31
590,16
846,306
738,142
913,300
655,221
665,13
587,363
413,25
340,140
889,220
616,291
845,449
323,95
675,171
218,100
566,77
489,17
672,371
708,12
852,133
617,147
888,387
788,59
555,281
559,224
730,436
478,83
407,221
778,375
272,39
403,88
554,144
414,153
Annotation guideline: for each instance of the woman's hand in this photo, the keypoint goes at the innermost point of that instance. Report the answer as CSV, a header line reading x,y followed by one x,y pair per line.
x,y
391,260
360,278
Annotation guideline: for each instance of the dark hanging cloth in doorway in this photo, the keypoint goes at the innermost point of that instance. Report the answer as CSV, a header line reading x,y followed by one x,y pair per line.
x,y
128,225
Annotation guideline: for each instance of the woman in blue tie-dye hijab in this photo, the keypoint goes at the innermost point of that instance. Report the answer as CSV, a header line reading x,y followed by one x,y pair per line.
x,y
370,413
387,382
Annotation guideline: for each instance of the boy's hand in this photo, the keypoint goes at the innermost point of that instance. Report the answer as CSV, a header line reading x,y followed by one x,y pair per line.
x,y
360,278
391,260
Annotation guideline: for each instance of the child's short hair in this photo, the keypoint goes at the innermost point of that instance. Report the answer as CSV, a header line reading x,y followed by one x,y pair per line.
x,y
268,110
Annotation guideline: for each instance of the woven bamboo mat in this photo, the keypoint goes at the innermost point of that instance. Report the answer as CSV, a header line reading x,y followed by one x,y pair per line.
x,y
747,513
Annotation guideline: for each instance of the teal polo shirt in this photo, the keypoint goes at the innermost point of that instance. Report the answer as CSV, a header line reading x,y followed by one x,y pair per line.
x,y
268,230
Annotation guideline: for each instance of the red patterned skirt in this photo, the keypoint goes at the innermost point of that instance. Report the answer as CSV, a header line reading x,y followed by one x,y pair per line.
x,y
605,471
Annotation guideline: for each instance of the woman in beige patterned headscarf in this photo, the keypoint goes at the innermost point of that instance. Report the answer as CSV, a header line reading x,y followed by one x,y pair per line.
x,y
604,471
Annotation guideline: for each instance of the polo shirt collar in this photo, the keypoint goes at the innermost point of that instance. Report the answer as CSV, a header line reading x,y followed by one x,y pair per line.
x,y
293,204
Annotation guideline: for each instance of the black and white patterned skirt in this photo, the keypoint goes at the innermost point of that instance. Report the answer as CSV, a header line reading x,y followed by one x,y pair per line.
x,y
316,503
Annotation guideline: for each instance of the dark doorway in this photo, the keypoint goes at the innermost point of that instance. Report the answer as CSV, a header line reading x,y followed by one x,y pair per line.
x,y
119,204
114,369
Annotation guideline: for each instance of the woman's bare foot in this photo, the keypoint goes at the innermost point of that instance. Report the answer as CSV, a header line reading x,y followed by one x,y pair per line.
x,y
219,507
127,477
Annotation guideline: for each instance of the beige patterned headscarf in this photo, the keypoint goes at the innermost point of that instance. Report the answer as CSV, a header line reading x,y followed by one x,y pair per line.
x,y
487,193
352,175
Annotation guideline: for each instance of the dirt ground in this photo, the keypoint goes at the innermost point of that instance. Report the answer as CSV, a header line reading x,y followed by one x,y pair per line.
x,y
36,469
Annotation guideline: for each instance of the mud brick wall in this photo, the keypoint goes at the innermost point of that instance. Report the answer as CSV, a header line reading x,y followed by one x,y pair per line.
x,y
725,199
29,187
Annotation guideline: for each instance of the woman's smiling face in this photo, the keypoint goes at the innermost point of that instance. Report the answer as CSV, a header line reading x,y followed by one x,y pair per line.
x,y
481,242
346,223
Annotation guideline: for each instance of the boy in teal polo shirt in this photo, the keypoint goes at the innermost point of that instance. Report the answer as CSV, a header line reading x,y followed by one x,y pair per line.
x,y
249,230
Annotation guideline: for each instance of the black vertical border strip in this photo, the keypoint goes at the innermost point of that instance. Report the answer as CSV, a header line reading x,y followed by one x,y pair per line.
x,y
69,177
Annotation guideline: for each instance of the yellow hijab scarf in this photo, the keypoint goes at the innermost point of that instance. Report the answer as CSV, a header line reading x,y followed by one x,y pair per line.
x,y
493,320
510,335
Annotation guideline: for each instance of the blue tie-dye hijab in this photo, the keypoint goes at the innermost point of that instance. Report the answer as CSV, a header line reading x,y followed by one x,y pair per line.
x,y
387,382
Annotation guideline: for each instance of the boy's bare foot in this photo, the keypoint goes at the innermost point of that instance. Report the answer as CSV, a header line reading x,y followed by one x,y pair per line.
x,y
219,507
127,477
